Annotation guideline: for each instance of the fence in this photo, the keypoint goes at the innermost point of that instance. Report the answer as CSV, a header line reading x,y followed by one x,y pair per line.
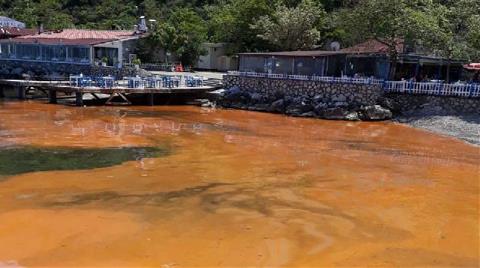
x,y
437,89
162,67
406,87
328,79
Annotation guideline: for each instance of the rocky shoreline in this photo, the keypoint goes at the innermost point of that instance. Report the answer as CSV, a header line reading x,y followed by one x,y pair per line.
x,y
336,107
433,118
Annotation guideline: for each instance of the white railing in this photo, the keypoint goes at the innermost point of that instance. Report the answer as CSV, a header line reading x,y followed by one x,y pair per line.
x,y
407,87
348,80
329,79
438,89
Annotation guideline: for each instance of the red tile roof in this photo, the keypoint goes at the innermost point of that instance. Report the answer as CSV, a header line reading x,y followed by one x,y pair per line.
x,y
9,32
372,46
472,66
76,37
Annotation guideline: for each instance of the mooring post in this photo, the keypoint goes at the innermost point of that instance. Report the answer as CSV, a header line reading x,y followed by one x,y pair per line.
x,y
52,96
20,92
79,98
151,99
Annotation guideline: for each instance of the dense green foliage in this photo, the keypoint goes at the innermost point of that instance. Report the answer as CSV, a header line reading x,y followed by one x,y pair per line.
x,y
450,28
20,160
293,28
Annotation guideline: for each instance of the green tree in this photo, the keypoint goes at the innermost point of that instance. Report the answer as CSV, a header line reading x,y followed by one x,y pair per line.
x,y
293,28
390,22
473,36
49,12
24,11
183,34
230,22
454,35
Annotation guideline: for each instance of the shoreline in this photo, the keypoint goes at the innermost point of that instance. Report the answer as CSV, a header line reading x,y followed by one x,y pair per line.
x,y
465,128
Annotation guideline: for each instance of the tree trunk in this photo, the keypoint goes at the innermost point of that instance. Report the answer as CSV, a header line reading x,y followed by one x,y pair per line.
x,y
393,64
448,71
393,68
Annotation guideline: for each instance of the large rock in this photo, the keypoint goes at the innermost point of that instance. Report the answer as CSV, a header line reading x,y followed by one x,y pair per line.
x,y
277,106
390,104
319,98
308,114
259,107
256,98
320,108
298,107
337,113
375,113
233,93
352,116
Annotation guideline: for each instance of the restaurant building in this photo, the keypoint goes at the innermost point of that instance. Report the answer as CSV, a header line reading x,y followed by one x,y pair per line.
x,y
72,46
369,59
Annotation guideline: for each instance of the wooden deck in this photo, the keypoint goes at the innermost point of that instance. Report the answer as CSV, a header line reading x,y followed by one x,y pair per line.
x,y
54,87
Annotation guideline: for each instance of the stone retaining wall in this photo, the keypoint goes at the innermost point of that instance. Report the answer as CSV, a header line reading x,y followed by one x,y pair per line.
x,y
348,94
14,69
335,100
305,98
441,105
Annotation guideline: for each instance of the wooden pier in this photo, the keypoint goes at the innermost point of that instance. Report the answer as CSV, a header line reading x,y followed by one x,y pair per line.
x,y
52,88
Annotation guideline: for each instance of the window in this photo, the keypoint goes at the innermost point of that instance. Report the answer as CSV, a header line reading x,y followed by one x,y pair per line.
x,y
252,64
27,52
78,54
4,51
283,65
60,53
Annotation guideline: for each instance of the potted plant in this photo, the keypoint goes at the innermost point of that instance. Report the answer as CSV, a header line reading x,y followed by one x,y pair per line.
x,y
137,63
104,61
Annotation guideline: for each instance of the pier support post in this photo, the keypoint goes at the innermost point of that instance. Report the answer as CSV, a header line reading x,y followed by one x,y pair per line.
x,y
151,99
52,96
21,93
79,98
2,95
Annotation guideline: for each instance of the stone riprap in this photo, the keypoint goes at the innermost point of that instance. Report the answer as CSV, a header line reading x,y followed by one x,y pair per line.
x,y
305,98
14,69
339,101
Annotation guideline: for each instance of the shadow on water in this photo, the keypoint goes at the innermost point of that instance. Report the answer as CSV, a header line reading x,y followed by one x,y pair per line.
x,y
19,160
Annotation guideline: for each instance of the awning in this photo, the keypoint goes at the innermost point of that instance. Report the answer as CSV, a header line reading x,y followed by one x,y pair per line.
x,y
472,66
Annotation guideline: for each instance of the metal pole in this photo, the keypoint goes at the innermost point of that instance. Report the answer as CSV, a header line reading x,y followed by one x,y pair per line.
x,y
20,93
79,98
52,96
151,99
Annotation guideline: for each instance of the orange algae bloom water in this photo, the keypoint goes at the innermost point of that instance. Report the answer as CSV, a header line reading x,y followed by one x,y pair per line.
x,y
188,187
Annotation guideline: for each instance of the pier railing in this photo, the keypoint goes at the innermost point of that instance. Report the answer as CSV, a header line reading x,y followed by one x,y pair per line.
x,y
405,87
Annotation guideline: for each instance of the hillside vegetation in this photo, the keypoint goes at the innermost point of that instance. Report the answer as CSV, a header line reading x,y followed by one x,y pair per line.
x,y
449,28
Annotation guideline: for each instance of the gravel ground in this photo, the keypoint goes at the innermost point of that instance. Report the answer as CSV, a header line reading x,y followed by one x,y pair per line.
x,y
464,127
